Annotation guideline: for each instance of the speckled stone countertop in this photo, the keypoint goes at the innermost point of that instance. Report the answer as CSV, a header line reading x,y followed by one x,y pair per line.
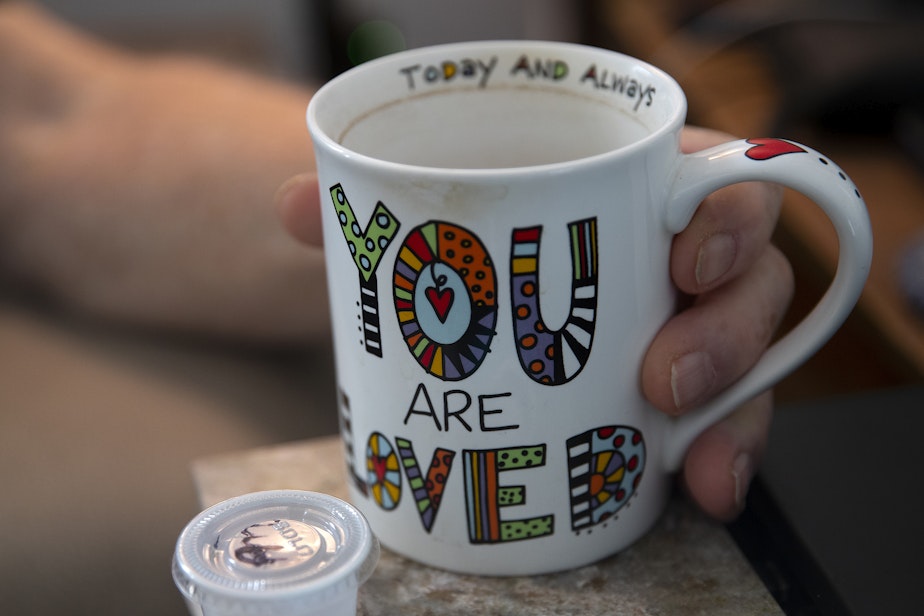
x,y
686,565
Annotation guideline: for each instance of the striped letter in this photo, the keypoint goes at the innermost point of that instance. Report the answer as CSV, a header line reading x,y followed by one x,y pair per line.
x,y
548,356
366,247
484,496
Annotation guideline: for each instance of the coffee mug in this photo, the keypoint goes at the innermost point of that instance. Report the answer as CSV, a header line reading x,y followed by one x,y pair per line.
x,y
497,221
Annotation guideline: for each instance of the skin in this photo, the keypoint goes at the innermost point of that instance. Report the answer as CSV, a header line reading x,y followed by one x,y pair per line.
x,y
161,223
139,189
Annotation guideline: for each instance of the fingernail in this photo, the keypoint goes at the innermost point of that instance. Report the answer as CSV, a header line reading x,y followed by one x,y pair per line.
x,y
716,256
692,377
742,472
285,190
291,200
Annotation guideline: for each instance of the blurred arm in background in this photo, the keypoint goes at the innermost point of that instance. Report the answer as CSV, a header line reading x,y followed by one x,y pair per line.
x,y
140,190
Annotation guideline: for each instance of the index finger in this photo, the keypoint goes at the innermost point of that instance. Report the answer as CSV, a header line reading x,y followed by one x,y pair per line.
x,y
730,229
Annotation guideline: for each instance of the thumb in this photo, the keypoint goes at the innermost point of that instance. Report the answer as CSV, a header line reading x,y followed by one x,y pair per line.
x,y
298,206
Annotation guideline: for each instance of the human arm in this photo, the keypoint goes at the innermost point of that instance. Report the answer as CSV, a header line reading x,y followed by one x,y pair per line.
x,y
139,188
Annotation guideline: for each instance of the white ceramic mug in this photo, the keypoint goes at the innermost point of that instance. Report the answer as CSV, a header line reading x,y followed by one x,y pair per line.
x,y
497,223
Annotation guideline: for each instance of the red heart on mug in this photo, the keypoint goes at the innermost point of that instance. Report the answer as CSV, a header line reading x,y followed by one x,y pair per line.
x,y
441,302
766,148
379,466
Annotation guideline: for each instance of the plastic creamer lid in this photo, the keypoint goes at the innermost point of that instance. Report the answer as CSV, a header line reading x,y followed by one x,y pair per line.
x,y
281,550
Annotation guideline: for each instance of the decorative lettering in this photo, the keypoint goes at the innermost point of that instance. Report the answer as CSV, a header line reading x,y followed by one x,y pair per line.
x,y
620,84
554,70
482,412
547,355
448,70
485,497
366,247
604,467
445,297
455,403
346,435
428,409
427,492
383,471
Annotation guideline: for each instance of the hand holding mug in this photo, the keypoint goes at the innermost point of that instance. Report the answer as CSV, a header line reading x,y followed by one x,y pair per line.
x,y
506,227
739,286
752,284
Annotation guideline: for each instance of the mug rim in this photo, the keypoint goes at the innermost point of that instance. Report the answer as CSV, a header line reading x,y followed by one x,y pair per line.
x,y
323,139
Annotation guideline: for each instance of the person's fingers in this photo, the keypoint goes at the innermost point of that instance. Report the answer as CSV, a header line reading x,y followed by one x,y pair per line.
x,y
722,461
729,230
705,348
298,207
695,138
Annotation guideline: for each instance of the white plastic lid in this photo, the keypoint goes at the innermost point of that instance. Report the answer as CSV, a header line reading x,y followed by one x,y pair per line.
x,y
277,553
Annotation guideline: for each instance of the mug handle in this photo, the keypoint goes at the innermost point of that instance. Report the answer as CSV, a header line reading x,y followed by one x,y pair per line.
x,y
814,175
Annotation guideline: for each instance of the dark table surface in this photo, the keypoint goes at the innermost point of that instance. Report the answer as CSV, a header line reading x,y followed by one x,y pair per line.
x,y
833,524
